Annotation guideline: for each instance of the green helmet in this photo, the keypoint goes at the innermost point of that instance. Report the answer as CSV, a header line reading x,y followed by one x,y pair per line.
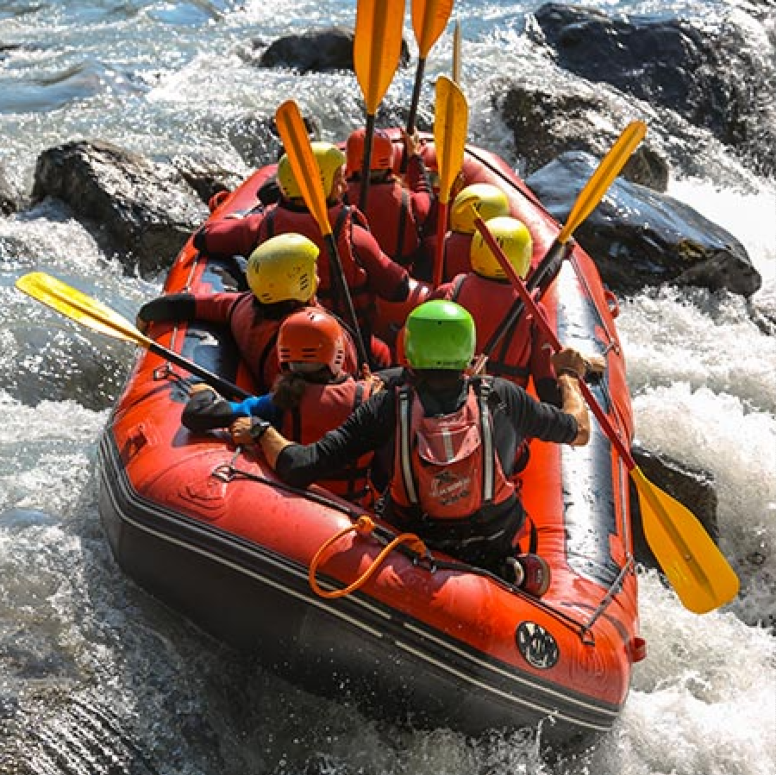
x,y
439,335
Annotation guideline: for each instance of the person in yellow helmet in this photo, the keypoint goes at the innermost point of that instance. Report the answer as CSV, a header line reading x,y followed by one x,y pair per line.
x,y
482,199
281,274
518,350
369,273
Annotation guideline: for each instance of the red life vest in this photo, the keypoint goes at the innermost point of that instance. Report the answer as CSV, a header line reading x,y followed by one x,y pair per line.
x,y
390,217
447,467
256,338
323,408
488,301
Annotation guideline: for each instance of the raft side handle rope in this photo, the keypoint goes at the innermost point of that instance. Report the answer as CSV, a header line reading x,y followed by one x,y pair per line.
x,y
364,526
614,588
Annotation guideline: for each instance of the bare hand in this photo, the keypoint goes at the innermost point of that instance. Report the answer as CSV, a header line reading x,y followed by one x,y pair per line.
x,y
199,387
241,431
569,360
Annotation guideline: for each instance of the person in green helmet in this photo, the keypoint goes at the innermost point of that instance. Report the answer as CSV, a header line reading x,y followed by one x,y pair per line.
x,y
451,440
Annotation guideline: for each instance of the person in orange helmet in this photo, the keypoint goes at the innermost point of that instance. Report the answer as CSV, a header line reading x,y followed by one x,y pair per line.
x,y
312,395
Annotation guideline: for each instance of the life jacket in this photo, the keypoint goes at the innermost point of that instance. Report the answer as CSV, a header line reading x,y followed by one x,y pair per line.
x,y
285,218
256,337
447,467
457,249
324,407
390,217
488,302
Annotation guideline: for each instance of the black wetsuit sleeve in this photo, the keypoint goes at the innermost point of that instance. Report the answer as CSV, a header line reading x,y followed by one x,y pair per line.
x,y
171,307
370,427
536,419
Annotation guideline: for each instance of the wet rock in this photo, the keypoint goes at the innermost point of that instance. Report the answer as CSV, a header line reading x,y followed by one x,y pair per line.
x,y
207,174
141,211
256,139
719,76
640,237
692,487
9,199
316,51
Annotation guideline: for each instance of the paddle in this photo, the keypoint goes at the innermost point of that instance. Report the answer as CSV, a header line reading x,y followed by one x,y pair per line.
x,y
696,568
429,19
307,174
457,52
608,169
376,53
94,315
451,121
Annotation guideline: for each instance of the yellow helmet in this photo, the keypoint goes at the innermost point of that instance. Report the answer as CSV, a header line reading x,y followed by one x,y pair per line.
x,y
329,159
488,200
515,240
283,268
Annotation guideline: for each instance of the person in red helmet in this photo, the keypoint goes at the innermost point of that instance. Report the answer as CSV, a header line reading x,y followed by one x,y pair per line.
x,y
396,211
312,394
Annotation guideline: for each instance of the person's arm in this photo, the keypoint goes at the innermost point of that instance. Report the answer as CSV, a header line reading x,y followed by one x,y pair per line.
x,y
206,410
170,307
385,277
369,427
215,308
570,369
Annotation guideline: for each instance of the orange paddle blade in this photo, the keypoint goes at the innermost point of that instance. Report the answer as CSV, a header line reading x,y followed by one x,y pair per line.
x,y
377,47
429,19
451,123
694,565
300,154
608,169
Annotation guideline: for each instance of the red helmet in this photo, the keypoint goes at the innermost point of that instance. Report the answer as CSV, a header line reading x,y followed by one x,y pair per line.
x,y
382,151
313,337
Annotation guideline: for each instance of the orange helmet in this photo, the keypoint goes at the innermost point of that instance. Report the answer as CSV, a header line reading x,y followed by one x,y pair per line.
x,y
310,339
382,151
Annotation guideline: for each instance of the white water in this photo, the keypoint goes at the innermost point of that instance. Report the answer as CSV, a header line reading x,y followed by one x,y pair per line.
x,y
97,677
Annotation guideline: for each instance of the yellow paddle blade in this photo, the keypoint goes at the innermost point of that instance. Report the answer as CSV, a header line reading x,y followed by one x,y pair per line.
x,y
79,307
300,154
697,570
451,123
429,18
608,169
377,47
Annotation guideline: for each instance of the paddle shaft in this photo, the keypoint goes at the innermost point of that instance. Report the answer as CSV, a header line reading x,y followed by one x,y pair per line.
x,y
413,114
79,307
307,174
224,387
552,338
366,164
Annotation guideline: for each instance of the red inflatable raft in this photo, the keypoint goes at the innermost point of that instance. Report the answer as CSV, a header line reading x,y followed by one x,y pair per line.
x,y
208,529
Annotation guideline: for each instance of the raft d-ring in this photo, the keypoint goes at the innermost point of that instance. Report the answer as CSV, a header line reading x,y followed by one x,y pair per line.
x,y
364,526
612,303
